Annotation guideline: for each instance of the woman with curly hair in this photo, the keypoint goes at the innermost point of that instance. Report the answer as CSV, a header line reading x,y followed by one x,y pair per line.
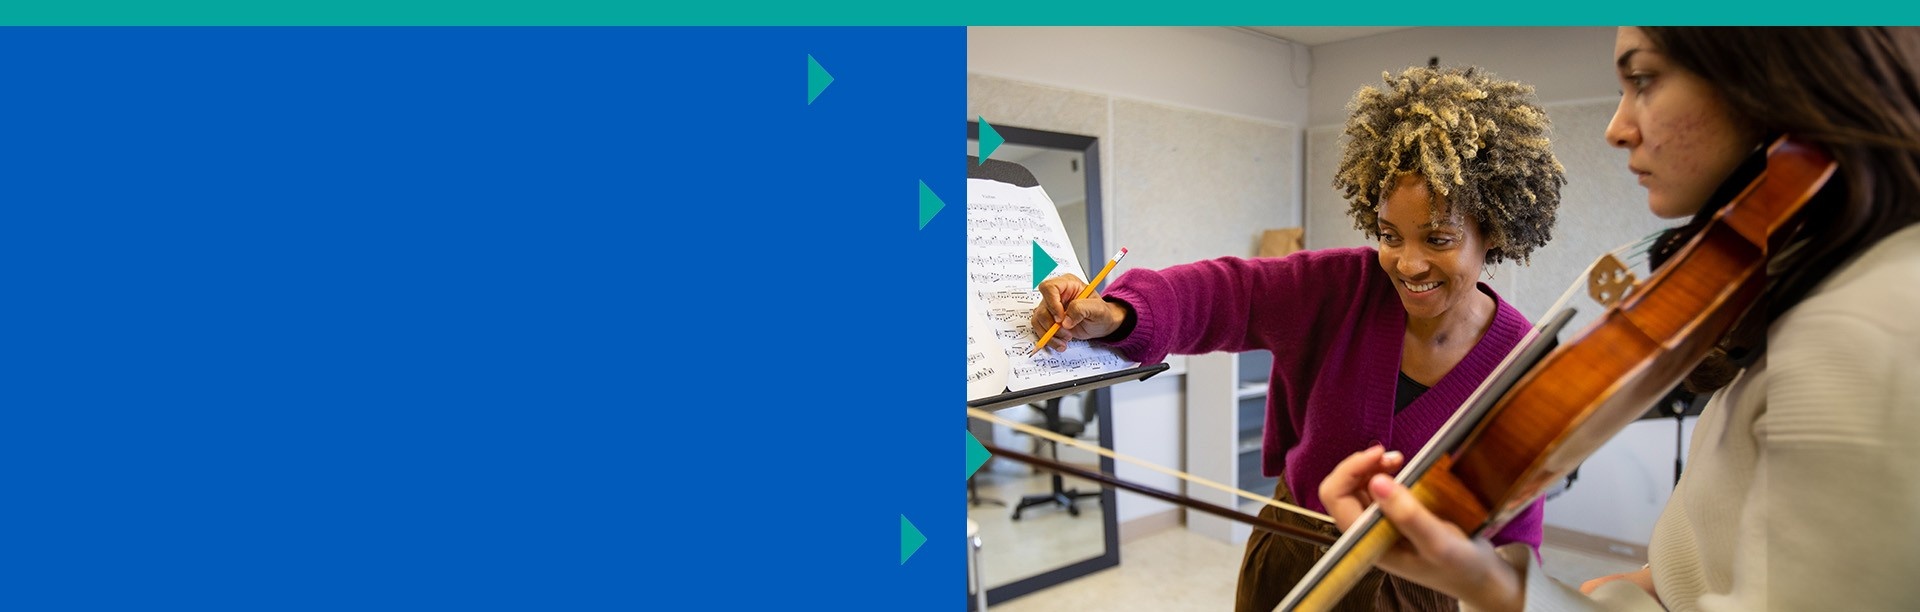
x,y
1449,169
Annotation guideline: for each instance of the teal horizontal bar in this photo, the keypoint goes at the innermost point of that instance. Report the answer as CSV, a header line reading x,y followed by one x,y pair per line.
x,y
897,12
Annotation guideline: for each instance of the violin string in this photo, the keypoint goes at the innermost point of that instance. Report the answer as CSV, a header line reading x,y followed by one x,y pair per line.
x,y
1633,254
1641,248
1098,450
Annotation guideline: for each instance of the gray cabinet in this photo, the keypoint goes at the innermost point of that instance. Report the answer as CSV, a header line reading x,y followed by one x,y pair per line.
x,y
1226,409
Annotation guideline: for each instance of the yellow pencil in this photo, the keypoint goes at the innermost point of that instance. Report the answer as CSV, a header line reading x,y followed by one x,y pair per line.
x,y
1084,294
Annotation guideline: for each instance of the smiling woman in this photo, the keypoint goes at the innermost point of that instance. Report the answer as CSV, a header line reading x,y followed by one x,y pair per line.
x,y
1435,265
1436,261
1479,142
1450,170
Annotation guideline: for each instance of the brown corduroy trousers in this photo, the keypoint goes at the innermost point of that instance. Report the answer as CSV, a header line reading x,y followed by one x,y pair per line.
x,y
1273,564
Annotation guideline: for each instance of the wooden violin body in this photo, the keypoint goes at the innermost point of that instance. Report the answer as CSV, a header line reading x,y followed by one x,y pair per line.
x,y
1582,393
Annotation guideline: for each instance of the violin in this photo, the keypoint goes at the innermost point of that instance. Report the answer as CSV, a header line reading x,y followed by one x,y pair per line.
x,y
1534,420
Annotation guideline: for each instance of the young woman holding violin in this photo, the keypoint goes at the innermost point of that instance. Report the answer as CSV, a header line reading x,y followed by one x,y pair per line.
x,y
1450,170
1800,493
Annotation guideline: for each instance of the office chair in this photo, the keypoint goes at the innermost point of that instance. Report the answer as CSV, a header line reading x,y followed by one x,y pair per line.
x,y
1069,427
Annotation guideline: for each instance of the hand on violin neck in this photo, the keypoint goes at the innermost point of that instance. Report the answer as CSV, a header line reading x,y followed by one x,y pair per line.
x,y
1344,492
1431,551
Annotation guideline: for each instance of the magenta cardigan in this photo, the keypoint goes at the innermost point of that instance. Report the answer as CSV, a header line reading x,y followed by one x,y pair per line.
x,y
1335,326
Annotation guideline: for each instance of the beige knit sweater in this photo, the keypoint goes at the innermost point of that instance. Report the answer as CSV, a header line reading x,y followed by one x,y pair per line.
x,y
1802,489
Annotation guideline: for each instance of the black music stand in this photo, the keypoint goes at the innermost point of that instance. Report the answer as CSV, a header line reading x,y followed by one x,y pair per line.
x,y
1014,174
1019,176
1678,404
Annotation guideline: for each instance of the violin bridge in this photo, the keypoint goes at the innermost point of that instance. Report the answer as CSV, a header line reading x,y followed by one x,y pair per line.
x,y
1610,280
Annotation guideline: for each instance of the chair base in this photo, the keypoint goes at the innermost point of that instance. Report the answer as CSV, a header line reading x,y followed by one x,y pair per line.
x,y
1066,498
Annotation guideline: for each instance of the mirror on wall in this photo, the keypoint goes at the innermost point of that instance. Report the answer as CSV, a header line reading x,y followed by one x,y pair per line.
x,y
1038,529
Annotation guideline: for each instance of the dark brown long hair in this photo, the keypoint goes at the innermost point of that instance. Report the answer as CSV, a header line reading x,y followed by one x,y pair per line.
x,y
1855,91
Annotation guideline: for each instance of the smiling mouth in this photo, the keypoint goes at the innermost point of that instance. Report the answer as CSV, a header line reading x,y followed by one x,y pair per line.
x,y
1422,287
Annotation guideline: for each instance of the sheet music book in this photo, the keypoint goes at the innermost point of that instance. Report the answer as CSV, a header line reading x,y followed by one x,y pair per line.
x,y
1003,224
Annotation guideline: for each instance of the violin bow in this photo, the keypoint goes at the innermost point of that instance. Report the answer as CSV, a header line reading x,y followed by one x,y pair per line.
x,y
1104,452
1298,533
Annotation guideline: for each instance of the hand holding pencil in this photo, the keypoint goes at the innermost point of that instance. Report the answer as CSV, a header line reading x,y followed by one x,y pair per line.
x,y
1069,311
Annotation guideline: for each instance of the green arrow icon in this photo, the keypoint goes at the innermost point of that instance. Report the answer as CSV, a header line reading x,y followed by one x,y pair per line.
x,y
817,79
930,204
976,454
1042,264
910,539
989,140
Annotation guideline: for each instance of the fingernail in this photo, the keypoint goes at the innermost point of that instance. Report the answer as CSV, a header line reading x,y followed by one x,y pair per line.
x,y
1392,457
1382,486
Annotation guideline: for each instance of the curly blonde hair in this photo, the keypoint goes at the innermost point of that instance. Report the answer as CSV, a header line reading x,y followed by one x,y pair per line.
x,y
1481,142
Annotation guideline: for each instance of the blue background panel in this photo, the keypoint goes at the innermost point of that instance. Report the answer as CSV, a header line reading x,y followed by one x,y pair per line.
x,y
479,318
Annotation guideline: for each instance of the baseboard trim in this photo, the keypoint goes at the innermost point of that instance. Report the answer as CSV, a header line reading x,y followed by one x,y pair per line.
x,y
1589,543
1150,524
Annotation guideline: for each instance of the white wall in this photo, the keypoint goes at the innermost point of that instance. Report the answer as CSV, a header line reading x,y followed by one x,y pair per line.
x,y
1558,62
1200,148
1563,65
1218,70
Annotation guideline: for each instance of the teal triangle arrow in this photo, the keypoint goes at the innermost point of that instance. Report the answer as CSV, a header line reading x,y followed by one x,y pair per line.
x,y
817,79
930,204
1042,264
989,140
976,454
910,539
